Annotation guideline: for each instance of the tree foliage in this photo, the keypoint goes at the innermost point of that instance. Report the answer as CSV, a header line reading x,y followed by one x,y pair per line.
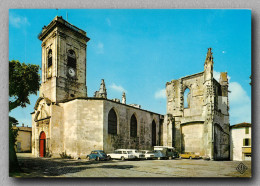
x,y
23,81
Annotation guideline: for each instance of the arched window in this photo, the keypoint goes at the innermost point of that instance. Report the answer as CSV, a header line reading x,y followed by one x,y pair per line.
x,y
112,122
72,59
186,98
50,58
153,133
133,126
49,64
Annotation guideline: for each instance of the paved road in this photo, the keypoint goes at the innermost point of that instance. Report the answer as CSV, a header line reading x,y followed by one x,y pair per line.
x,y
47,167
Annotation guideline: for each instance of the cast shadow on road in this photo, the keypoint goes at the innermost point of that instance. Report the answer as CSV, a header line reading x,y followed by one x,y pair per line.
x,y
42,167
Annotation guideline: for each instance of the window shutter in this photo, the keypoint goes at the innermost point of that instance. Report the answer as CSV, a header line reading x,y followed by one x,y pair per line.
x,y
244,142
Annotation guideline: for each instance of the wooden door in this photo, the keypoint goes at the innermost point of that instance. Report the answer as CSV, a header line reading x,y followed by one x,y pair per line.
x,y
42,144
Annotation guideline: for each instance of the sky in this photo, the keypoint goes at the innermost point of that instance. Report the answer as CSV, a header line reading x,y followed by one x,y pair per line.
x,y
138,51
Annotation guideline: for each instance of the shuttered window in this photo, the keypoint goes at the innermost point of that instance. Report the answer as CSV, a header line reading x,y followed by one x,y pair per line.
x,y
247,142
133,126
112,122
247,130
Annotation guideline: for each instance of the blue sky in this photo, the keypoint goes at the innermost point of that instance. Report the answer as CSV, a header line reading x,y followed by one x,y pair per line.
x,y
138,51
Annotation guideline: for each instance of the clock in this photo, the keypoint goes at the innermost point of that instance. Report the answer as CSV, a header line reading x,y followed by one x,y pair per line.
x,y
72,72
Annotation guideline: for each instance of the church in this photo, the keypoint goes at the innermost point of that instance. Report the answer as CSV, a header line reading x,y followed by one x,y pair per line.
x,y
66,120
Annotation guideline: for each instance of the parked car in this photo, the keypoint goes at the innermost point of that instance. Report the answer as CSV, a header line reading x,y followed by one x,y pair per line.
x,y
190,155
148,154
135,152
121,154
98,155
164,152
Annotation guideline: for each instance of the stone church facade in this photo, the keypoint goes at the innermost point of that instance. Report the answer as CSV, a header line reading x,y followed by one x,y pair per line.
x,y
202,124
66,119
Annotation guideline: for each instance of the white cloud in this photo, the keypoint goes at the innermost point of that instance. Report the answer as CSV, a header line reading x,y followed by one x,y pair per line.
x,y
216,75
18,21
100,48
223,52
160,94
240,104
108,21
117,88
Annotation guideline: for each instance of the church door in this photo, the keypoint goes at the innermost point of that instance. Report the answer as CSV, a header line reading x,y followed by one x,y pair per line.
x,y
42,144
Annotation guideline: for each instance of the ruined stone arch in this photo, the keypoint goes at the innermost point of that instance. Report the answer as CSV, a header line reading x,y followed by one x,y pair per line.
x,y
133,125
186,97
112,121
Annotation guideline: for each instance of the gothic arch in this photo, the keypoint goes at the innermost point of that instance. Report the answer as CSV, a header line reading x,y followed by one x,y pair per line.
x,y
186,97
153,133
133,125
112,122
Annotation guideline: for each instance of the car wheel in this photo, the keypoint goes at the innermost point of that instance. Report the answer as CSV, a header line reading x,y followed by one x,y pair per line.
x,y
122,158
190,157
88,158
97,159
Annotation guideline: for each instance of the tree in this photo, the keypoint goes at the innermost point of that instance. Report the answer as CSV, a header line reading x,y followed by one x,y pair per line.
x,y
24,80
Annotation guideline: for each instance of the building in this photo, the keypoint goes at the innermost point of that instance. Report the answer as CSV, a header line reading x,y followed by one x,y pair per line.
x,y
65,119
24,139
197,117
240,142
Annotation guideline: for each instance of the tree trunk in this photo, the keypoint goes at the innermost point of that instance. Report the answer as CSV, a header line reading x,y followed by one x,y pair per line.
x,y
13,162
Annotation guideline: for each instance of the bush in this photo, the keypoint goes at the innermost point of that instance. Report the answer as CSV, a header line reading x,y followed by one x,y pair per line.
x,y
64,155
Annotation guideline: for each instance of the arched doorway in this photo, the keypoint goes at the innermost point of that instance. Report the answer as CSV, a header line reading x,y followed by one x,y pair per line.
x,y
42,144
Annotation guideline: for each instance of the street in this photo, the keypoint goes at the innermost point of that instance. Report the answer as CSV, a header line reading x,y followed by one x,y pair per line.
x,y
49,167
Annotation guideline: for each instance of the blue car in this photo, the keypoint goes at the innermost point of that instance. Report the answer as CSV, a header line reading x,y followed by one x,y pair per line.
x,y
98,155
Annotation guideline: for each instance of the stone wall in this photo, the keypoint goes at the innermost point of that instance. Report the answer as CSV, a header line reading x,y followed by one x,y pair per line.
x,y
83,127
122,139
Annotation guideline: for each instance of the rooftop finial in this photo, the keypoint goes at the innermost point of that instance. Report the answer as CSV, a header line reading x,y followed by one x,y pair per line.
x,y
123,98
209,57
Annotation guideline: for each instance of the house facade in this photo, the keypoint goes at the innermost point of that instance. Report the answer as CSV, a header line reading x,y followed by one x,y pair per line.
x,y
240,142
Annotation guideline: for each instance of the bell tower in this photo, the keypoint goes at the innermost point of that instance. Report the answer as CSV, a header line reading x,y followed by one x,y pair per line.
x,y
63,61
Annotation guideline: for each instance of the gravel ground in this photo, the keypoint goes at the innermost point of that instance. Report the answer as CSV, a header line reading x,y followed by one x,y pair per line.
x,y
49,167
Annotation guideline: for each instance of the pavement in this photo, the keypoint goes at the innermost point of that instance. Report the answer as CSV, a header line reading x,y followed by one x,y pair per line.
x,y
50,167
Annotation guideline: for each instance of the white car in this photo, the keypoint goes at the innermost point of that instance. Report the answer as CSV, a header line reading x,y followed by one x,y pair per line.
x,y
148,154
121,154
135,152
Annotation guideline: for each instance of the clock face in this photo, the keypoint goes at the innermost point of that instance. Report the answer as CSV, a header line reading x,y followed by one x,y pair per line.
x,y
72,72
